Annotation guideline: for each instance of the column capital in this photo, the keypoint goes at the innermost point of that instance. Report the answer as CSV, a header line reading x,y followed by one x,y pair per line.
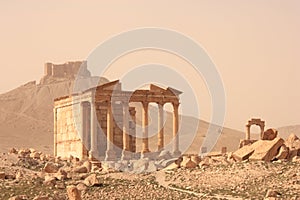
x,y
145,104
175,105
160,103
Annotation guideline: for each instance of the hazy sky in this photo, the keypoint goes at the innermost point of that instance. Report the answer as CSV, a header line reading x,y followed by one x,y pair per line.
x,y
255,45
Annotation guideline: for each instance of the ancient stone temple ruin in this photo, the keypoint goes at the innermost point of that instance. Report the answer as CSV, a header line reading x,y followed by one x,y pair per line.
x,y
100,123
66,70
251,122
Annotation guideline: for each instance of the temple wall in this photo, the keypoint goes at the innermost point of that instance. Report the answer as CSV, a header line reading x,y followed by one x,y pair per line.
x,y
68,139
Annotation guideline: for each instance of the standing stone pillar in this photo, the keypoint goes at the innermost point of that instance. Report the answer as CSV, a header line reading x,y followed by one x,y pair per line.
x,y
110,153
262,131
93,152
145,146
247,132
176,151
126,139
55,131
160,143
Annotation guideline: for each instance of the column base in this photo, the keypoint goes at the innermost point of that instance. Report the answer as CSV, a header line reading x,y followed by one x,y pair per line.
x,y
145,153
93,156
110,155
176,153
126,155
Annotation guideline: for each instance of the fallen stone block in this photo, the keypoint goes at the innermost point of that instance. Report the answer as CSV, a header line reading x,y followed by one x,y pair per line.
x,y
51,167
269,134
92,180
81,169
283,152
267,149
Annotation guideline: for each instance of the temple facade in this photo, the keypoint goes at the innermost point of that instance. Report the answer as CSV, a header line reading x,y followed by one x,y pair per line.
x,y
100,124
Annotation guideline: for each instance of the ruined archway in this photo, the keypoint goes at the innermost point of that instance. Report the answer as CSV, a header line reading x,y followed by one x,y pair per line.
x,y
257,122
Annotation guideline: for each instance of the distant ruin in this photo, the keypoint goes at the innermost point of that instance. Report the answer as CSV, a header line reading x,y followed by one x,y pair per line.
x,y
66,70
76,130
248,140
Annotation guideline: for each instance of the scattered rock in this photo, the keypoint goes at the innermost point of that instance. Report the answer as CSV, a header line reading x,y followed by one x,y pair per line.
x,y
81,169
49,181
51,167
188,163
81,186
272,193
41,198
2,175
196,159
73,193
13,151
88,165
92,180
18,197
35,155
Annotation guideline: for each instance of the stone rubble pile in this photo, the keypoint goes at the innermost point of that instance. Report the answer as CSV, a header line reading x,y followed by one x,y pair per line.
x,y
270,148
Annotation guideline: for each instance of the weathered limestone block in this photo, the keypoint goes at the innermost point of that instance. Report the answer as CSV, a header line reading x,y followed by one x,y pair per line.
x,y
269,134
246,151
246,142
267,150
51,167
73,193
88,165
196,159
91,180
81,169
188,163
283,152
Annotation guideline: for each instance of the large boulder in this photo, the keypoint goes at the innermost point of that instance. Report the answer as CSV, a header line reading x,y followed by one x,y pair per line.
x,y
267,150
269,134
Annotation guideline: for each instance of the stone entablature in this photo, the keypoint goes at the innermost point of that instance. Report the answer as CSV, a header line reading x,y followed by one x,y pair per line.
x,y
76,118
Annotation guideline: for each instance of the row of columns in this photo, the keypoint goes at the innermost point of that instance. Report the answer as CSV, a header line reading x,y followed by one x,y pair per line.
x,y
145,145
110,153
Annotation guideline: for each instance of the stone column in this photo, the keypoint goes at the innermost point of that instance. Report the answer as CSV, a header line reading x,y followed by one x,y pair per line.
x,y
126,147
160,143
262,131
55,131
176,151
93,151
247,132
145,146
110,153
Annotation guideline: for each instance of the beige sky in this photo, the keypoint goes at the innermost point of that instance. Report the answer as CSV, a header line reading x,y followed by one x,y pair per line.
x,y
255,45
